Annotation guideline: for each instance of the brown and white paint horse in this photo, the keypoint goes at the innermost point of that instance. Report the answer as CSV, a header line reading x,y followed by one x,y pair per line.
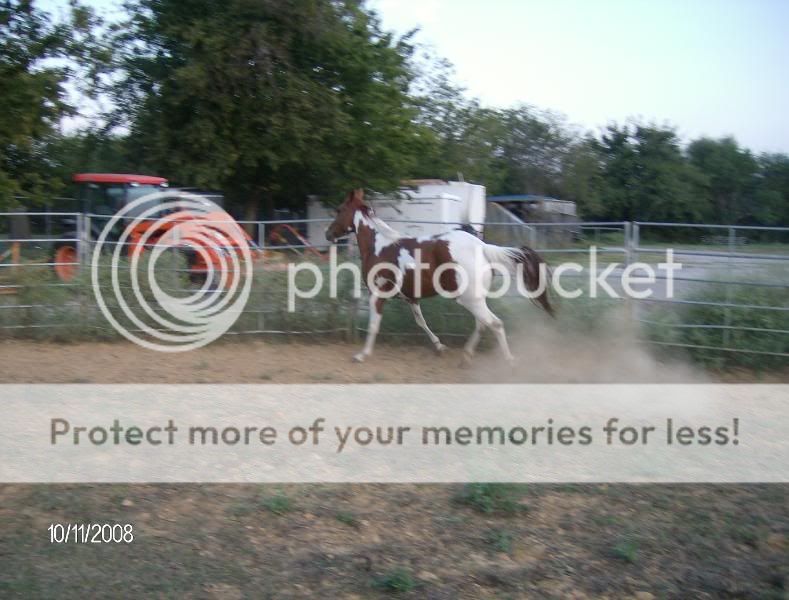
x,y
441,257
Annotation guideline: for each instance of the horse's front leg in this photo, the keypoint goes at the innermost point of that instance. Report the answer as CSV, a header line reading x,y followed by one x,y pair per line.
x,y
420,320
376,309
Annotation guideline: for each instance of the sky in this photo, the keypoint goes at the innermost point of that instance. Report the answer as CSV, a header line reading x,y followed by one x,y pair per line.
x,y
706,67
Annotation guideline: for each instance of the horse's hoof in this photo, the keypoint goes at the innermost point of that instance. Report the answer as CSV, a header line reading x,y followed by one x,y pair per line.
x,y
465,362
440,348
358,358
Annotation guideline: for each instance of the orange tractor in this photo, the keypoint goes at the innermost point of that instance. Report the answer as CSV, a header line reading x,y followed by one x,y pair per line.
x,y
102,195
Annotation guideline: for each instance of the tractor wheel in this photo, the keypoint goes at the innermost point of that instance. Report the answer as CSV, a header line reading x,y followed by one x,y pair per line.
x,y
198,273
63,255
197,267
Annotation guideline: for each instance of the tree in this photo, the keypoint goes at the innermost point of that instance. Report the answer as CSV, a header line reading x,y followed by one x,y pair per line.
x,y
87,151
646,177
774,189
33,94
511,151
582,177
729,179
468,143
533,149
265,99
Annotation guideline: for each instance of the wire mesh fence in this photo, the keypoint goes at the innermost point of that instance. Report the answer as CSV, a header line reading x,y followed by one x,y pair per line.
x,y
731,296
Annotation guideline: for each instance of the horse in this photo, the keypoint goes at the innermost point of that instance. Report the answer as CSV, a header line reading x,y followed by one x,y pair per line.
x,y
392,258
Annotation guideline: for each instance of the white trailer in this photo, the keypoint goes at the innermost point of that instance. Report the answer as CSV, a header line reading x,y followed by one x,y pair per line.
x,y
419,208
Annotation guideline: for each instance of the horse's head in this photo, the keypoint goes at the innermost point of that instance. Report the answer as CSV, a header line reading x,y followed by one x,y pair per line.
x,y
343,224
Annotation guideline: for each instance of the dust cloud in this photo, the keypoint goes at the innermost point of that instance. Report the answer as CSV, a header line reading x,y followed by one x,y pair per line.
x,y
611,354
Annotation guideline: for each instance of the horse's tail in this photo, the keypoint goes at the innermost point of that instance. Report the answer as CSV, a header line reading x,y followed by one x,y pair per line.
x,y
534,269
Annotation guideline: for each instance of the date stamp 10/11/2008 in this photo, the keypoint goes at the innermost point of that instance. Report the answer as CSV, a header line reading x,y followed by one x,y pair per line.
x,y
91,533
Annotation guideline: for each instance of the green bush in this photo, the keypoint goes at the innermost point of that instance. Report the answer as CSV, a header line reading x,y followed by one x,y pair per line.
x,y
491,497
500,540
625,549
278,504
699,325
398,580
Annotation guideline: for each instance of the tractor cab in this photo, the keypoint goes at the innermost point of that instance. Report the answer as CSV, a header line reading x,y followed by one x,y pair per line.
x,y
103,195
108,193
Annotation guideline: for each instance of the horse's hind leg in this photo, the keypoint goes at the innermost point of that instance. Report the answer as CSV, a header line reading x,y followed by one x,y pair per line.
x,y
471,345
376,309
420,320
479,308
498,329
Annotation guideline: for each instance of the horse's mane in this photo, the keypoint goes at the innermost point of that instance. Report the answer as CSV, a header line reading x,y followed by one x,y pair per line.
x,y
385,230
380,226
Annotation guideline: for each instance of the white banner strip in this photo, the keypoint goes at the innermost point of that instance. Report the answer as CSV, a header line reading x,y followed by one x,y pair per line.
x,y
394,433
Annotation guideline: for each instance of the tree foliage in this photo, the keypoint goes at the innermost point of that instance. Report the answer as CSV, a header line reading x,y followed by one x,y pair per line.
x,y
773,202
266,99
512,151
34,71
645,176
272,100
730,177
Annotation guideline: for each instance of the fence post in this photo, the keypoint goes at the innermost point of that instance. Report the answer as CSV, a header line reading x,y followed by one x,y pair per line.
x,y
80,241
635,242
83,260
626,231
261,319
262,235
174,262
727,311
628,234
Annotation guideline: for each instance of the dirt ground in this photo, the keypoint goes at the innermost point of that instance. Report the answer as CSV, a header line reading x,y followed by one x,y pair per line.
x,y
562,360
413,541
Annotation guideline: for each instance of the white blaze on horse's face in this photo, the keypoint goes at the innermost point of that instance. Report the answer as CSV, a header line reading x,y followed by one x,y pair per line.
x,y
345,221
